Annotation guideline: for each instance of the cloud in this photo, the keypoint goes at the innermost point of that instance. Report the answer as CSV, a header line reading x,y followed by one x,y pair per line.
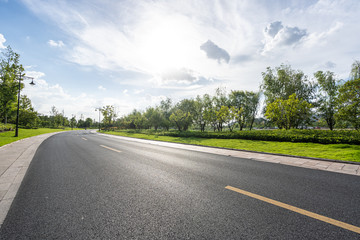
x,y
330,64
273,28
2,41
277,35
241,58
321,38
101,88
215,52
182,76
58,44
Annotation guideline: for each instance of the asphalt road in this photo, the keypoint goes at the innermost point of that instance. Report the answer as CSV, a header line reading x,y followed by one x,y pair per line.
x,y
87,186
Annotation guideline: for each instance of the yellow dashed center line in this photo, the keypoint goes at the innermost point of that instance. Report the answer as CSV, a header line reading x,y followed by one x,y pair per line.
x,y
112,149
84,139
298,210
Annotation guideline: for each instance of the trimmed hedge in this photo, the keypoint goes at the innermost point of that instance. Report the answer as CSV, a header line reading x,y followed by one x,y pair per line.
x,y
294,135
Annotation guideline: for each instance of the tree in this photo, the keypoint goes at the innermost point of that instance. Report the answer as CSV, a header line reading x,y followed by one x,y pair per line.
x,y
27,115
55,117
88,122
246,104
349,103
328,91
109,115
282,82
73,122
355,70
154,117
252,105
10,69
238,101
199,117
181,119
166,111
210,111
290,113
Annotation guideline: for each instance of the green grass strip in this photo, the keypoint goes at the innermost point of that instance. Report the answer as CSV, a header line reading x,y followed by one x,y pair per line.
x,y
8,137
342,152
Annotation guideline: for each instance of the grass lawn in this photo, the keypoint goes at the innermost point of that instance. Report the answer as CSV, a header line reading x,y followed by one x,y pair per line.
x,y
8,137
343,152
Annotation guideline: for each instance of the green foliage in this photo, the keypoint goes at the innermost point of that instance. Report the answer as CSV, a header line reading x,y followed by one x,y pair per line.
x,y
290,113
328,91
28,117
294,135
282,82
10,69
109,115
181,119
349,103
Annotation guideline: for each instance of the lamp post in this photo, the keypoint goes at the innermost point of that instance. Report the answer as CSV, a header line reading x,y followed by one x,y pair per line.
x,y
98,109
18,106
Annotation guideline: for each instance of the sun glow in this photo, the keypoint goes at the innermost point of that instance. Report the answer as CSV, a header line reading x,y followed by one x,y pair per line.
x,y
167,44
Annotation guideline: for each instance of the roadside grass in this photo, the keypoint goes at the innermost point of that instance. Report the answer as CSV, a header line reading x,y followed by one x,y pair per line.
x,y
8,136
342,152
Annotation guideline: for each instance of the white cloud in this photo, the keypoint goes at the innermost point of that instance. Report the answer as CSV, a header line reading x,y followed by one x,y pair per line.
x,y
2,41
277,36
101,88
58,44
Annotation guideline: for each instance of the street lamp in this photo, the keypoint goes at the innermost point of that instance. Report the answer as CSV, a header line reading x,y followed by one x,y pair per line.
x,y
18,106
98,109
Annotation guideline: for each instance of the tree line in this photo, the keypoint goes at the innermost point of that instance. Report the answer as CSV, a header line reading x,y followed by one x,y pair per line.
x,y
292,100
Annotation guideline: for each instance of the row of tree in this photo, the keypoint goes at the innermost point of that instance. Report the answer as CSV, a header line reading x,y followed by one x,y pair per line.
x,y
292,100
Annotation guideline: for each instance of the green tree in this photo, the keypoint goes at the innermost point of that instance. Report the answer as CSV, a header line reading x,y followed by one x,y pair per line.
x,y
328,91
154,117
10,69
166,111
223,116
349,103
252,105
27,115
73,122
109,115
55,117
88,122
290,113
282,82
181,119
210,111
199,110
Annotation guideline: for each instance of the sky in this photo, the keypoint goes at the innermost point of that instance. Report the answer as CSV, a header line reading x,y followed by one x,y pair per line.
x,y
86,54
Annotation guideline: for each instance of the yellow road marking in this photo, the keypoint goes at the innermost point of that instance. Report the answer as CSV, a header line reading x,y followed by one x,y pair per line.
x,y
298,210
84,139
112,149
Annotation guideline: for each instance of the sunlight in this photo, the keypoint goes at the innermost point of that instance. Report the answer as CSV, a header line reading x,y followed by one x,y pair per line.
x,y
166,45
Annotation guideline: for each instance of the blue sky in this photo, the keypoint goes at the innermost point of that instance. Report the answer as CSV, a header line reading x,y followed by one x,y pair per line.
x,y
86,54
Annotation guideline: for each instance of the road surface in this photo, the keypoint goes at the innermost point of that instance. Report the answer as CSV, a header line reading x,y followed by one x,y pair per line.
x,y
82,185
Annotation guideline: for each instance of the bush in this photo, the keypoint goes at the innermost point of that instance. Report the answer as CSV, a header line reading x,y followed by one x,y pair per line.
x,y
294,135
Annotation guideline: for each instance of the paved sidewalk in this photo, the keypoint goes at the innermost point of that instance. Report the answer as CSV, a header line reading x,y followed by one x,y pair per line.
x,y
339,167
15,159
